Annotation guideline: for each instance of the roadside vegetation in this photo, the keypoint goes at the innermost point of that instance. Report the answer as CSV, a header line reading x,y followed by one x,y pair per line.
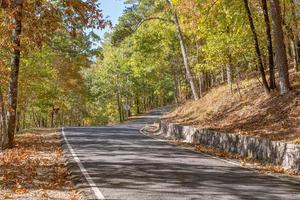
x,y
246,111
160,52
230,65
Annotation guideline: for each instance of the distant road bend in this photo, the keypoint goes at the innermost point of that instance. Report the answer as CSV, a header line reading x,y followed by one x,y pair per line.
x,y
121,163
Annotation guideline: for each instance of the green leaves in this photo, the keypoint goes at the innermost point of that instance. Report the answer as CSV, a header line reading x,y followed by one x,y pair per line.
x,y
139,66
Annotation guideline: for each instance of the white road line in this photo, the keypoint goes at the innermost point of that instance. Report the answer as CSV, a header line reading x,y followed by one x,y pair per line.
x,y
251,168
90,181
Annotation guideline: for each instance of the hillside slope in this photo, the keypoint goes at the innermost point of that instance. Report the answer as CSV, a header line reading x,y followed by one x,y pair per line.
x,y
251,113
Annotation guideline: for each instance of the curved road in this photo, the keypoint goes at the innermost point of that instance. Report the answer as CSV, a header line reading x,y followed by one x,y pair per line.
x,y
124,164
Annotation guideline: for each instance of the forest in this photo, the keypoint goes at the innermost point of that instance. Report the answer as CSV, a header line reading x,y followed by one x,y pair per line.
x,y
160,52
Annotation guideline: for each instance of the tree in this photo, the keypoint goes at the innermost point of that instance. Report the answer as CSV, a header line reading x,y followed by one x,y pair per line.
x,y
184,54
257,49
17,6
280,47
30,22
3,121
269,44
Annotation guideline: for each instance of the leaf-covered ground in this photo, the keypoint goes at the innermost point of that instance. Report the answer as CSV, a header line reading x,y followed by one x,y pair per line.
x,y
35,169
250,112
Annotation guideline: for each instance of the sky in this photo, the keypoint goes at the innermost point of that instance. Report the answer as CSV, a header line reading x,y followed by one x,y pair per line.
x,y
112,9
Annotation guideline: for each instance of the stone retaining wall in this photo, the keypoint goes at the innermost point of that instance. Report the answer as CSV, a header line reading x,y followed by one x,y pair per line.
x,y
280,153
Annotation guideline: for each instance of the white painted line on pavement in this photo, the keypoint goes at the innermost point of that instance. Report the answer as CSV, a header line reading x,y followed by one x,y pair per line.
x,y
251,168
90,181
208,155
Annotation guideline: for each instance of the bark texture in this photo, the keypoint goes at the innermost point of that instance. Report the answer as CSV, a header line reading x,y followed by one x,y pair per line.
x,y
184,54
14,73
270,45
257,49
281,57
3,122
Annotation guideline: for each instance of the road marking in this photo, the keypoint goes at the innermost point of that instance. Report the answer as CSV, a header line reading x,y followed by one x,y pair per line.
x,y
90,181
251,168
208,155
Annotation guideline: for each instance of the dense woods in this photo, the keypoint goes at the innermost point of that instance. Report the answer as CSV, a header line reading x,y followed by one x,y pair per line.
x,y
160,52
43,48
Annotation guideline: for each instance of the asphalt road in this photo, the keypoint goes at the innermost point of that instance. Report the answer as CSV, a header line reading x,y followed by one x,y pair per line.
x,y
124,164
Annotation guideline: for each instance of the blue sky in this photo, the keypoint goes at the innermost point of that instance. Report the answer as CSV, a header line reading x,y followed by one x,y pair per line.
x,y
112,9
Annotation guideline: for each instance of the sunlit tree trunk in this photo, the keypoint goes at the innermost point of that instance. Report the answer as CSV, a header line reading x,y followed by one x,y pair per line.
x,y
201,84
296,41
119,106
14,73
184,54
294,54
257,49
280,47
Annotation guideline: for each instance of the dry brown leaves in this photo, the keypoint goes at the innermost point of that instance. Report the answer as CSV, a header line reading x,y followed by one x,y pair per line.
x,y
258,165
35,168
255,114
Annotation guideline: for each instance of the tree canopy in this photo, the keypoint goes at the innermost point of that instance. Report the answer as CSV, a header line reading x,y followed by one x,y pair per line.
x,y
160,52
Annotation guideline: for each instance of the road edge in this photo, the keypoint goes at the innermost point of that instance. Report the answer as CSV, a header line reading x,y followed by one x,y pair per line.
x,y
283,177
77,177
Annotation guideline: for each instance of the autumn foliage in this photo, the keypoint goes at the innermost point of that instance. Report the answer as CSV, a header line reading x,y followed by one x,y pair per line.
x,y
35,168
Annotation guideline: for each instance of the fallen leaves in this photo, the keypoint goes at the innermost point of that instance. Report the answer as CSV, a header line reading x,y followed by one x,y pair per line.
x,y
261,167
35,168
274,116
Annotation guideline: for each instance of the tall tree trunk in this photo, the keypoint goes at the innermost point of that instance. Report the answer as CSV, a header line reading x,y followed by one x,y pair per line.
x,y
294,53
229,76
24,120
18,121
119,106
296,39
184,54
257,49
14,73
176,88
52,118
280,47
137,102
201,84
270,46
222,75
4,137
297,44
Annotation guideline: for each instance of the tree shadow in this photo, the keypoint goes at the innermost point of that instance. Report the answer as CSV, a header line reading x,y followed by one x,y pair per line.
x,y
127,165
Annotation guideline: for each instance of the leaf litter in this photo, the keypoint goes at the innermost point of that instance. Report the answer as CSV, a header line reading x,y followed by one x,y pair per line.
x,y
35,168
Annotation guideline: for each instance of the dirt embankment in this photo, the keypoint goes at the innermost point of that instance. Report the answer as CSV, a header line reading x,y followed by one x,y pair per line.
x,y
252,113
